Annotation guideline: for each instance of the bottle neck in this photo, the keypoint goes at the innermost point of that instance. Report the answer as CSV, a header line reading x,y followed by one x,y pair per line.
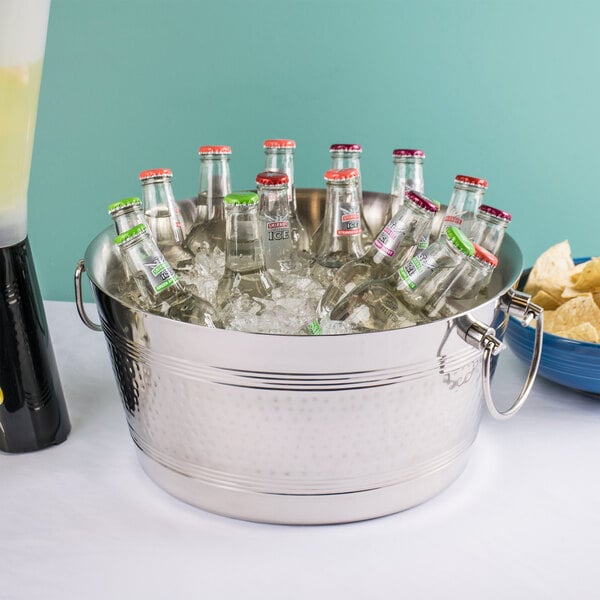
x,y
488,231
345,160
151,272
159,208
282,160
402,234
348,160
407,174
243,249
465,201
273,200
215,181
128,218
428,271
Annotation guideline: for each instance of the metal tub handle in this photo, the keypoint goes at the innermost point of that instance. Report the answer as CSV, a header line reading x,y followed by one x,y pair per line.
x,y
482,337
79,271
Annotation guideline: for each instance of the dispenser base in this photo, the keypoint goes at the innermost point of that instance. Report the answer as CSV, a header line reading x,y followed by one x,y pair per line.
x,y
33,413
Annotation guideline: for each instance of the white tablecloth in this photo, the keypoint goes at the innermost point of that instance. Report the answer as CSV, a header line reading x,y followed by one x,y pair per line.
x,y
82,520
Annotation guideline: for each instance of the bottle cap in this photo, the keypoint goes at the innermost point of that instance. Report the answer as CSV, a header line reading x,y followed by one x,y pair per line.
x,y
121,204
152,173
475,181
214,150
484,255
272,178
496,212
130,233
408,153
241,198
340,174
460,240
345,148
279,144
421,200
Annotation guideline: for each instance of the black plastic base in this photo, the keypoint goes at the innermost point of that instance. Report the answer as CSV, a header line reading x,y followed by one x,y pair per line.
x,y
33,413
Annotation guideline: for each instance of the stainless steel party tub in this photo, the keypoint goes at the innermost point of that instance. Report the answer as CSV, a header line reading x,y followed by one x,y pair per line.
x,y
299,429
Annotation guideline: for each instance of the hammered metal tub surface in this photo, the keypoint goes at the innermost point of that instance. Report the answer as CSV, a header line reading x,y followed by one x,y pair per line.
x,y
292,429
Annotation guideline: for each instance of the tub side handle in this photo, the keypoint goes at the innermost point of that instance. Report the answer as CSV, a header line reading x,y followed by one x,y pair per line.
x,y
480,336
79,271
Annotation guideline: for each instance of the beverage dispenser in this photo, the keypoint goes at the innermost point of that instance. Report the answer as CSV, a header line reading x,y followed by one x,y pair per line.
x,y
32,408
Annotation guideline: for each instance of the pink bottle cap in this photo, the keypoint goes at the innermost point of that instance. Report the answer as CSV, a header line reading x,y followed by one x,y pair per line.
x,y
421,200
475,181
496,212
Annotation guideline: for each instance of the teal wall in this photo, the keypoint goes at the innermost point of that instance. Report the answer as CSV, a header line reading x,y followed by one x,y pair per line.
x,y
504,90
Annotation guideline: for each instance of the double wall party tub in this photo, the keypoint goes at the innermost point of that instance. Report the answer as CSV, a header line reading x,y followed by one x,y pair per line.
x,y
300,429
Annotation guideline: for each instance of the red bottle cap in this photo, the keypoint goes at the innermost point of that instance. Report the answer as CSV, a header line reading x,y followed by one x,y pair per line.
x,y
485,255
409,153
340,174
279,144
272,178
345,148
151,173
482,183
214,150
421,200
495,212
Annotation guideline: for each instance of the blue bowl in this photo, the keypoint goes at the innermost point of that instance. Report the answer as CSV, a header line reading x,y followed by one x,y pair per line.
x,y
571,363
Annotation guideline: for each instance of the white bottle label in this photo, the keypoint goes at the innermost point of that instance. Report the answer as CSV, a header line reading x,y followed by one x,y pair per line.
x,y
348,222
417,269
386,240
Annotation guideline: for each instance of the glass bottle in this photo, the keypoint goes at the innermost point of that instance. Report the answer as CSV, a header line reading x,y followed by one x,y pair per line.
x,y
162,216
465,284
158,287
395,244
245,270
396,301
126,213
208,231
489,227
466,199
407,175
342,225
347,156
273,215
426,237
279,156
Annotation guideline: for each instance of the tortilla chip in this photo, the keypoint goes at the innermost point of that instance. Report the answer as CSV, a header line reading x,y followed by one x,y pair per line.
x,y
546,301
584,332
551,271
579,310
588,278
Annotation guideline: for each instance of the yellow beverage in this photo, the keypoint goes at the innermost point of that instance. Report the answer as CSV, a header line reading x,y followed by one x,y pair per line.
x,y
19,91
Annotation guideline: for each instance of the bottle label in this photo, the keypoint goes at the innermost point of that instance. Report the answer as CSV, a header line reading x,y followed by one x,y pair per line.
x,y
386,240
423,242
348,223
278,231
160,273
417,270
314,328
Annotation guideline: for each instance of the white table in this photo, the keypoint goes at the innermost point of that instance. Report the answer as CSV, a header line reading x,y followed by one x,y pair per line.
x,y
82,520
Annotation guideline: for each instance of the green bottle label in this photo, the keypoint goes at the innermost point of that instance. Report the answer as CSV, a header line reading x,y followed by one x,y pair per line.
x,y
417,269
314,328
160,273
